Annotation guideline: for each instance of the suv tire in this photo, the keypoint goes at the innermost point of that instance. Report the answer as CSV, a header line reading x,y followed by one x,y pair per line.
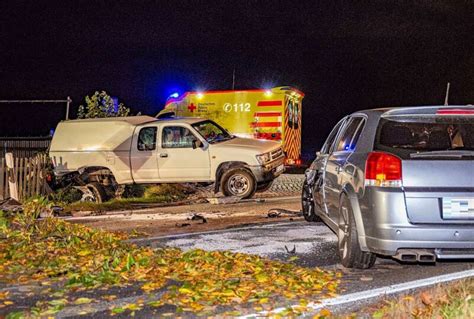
x,y
350,254
238,182
307,204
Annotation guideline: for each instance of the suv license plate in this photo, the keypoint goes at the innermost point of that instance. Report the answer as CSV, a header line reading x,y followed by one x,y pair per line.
x,y
458,208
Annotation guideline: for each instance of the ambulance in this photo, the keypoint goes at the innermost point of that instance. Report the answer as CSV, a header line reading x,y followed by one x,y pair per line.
x,y
265,114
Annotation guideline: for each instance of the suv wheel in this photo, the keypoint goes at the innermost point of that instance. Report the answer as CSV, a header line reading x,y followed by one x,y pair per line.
x,y
239,182
350,254
307,204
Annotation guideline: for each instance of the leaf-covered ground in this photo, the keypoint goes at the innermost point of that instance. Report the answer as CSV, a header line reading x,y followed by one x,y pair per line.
x,y
71,257
454,300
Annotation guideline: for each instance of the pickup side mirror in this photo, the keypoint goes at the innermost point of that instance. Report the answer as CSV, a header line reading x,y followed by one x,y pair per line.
x,y
197,144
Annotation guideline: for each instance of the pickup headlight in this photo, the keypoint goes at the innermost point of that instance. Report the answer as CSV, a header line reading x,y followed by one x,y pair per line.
x,y
263,158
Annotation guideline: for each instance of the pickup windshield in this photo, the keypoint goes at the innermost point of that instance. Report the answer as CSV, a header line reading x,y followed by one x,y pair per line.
x,y
426,137
212,132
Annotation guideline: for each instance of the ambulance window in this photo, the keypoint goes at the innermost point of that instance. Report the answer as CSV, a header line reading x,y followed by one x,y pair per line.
x,y
147,139
177,137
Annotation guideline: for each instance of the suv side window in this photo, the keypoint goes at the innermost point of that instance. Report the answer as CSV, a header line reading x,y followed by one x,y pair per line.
x,y
332,137
350,135
177,137
147,139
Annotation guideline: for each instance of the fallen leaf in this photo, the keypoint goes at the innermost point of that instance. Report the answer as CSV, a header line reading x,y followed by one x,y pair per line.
x,y
426,298
82,300
325,313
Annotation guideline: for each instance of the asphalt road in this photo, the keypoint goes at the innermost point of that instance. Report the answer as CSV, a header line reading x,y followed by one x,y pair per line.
x,y
313,243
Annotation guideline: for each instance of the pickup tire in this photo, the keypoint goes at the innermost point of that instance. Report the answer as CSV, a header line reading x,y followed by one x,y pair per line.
x,y
238,182
98,192
263,187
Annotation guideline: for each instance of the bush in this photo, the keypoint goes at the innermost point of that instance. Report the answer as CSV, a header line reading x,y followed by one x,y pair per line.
x,y
133,191
67,195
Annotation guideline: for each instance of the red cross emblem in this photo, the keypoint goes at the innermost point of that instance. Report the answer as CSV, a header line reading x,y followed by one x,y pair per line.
x,y
191,107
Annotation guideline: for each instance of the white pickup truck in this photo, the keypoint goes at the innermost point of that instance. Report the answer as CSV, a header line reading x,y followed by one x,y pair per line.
x,y
100,155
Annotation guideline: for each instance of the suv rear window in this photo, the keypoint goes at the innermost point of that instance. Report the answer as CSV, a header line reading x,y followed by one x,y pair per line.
x,y
408,135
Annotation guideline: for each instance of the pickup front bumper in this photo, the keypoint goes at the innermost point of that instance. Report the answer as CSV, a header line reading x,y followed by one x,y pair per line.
x,y
268,172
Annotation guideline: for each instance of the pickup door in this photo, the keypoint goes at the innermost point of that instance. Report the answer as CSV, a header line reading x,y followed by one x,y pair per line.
x,y
144,155
177,159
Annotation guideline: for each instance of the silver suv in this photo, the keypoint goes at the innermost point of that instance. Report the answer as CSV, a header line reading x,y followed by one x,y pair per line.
x,y
397,182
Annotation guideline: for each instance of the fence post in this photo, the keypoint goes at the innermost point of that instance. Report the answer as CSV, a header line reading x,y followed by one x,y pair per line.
x,y
2,178
12,176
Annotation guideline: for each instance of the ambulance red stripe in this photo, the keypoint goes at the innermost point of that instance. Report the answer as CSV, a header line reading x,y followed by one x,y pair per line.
x,y
267,114
270,103
266,124
268,136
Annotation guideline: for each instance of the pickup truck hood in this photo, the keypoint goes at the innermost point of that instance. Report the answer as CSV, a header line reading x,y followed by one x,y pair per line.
x,y
259,146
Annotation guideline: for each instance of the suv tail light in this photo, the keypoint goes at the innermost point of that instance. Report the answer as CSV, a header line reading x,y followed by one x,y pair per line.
x,y
383,169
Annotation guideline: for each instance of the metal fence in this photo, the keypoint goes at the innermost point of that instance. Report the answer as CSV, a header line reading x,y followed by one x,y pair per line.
x,y
22,147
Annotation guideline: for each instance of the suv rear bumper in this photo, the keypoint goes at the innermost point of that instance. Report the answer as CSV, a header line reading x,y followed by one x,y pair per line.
x,y
388,228
446,238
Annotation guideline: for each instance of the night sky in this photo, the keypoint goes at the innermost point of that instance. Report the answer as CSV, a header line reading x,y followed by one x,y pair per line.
x,y
344,56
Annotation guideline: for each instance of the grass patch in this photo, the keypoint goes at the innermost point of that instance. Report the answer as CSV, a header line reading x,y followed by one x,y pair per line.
x,y
163,193
116,204
75,257
454,300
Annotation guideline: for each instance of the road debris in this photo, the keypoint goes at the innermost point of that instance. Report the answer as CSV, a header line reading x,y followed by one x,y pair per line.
x,y
10,205
223,200
183,224
198,217
293,251
278,212
273,213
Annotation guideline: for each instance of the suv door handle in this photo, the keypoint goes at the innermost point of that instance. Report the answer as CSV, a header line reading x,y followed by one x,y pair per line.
x,y
163,154
338,169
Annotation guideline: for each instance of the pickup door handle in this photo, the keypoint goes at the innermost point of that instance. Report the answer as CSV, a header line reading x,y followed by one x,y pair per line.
x,y
338,169
163,154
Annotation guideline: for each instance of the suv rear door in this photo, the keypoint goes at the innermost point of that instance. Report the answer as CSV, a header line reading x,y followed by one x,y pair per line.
x,y
437,152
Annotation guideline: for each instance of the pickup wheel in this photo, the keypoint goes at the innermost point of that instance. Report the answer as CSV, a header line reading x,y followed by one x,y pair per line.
x,y
263,187
238,182
96,193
